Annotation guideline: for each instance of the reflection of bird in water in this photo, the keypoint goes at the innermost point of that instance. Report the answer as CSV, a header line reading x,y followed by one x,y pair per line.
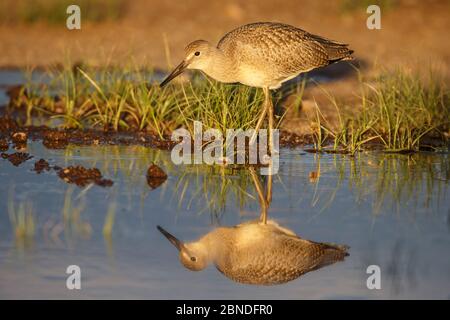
x,y
257,253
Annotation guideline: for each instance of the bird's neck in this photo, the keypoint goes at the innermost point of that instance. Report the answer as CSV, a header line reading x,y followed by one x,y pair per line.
x,y
215,244
221,67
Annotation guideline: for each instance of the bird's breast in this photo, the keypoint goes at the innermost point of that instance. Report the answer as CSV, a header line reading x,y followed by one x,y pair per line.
x,y
255,77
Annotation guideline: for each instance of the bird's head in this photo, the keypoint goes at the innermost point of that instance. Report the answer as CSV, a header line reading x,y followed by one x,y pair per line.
x,y
197,55
193,256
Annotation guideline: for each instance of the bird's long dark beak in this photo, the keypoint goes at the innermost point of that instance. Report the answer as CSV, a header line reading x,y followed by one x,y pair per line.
x,y
177,243
176,72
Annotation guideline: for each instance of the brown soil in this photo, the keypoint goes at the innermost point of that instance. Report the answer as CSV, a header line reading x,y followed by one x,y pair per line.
x,y
41,165
83,176
16,158
55,139
8,126
4,145
60,138
155,176
291,140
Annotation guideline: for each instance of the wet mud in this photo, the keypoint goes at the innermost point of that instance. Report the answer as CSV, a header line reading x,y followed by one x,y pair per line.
x,y
155,176
16,158
41,165
82,176
60,138
53,138
4,145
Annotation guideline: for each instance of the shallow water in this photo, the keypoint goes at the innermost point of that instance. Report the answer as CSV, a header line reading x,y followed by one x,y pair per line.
x,y
392,210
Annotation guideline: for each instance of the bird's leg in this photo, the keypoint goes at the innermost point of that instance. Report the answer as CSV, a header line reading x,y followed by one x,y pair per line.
x,y
261,119
269,187
262,200
263,217
270,115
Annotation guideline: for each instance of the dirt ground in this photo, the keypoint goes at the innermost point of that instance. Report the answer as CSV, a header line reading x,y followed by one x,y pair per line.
x,y
414,35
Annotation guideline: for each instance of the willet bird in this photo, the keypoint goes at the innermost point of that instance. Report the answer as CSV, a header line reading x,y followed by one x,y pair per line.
x,y
262,55
257,252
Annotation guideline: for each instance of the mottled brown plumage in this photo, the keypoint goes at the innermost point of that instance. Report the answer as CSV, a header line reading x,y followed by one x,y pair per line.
x,y
257,253
279,51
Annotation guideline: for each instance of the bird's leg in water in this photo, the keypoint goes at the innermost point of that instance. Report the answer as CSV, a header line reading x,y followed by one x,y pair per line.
x,y
269,187
262,199
261,118
268,98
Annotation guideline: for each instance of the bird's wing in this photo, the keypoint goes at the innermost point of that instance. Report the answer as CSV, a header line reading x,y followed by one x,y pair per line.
x,y
288,49
279,259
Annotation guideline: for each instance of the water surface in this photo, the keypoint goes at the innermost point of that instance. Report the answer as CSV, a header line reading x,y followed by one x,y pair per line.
x,y
392,210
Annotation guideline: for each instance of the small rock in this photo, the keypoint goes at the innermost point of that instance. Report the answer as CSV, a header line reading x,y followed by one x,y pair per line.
x,y
41,165
156,172
155,176
4,146
19,137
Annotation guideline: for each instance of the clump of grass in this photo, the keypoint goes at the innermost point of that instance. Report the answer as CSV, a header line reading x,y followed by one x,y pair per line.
x,y
405,109
54,11
219,105
400,112
299,91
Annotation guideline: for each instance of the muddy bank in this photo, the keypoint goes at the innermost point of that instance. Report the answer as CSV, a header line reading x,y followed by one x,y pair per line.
x,y
77,175
16,158
60,138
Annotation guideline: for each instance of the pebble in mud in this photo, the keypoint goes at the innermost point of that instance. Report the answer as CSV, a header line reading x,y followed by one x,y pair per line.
x,y
83,176
155,176
19,137
16,158
4,146
41,165
20,141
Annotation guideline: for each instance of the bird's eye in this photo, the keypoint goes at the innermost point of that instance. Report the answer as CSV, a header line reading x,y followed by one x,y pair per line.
x,y
197,53
193,259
